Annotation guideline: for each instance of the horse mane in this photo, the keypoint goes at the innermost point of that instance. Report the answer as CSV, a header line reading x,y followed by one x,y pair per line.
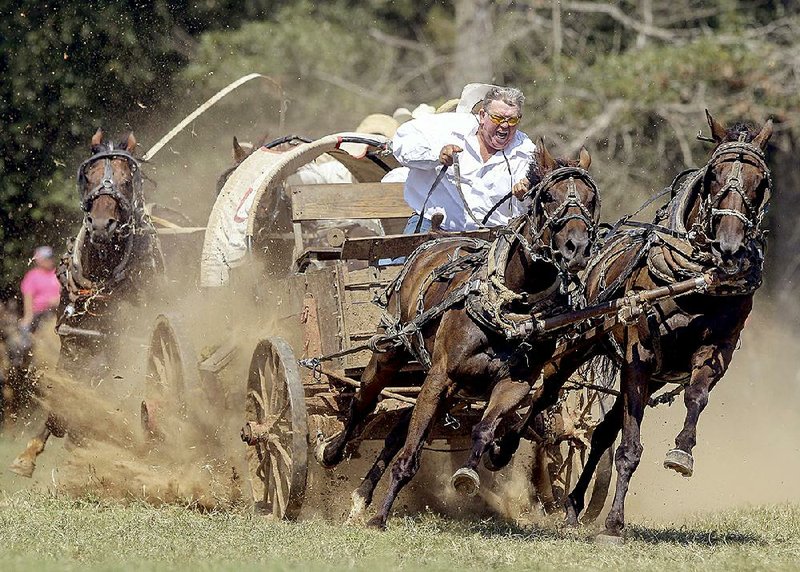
x,y
535,172
733,132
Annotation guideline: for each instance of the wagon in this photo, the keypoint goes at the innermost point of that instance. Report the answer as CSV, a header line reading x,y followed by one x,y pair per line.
x,y
311,236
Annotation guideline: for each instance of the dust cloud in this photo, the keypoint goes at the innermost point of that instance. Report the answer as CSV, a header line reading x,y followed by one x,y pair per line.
x,y
747,450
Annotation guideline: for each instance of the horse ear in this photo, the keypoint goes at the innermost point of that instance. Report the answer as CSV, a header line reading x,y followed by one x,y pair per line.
x,y
546,160
763,135
97,138
239,154
130,143
585,159
718,132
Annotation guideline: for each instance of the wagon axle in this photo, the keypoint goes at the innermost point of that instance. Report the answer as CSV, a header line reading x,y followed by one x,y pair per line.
x,y
253,432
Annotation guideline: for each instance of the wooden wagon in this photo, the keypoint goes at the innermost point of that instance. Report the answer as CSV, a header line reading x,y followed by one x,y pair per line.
x,y
328,278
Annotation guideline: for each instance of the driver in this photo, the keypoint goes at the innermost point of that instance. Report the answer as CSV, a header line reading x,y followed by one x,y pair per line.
x,y
493,157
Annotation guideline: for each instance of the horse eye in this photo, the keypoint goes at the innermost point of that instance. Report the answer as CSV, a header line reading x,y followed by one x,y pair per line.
x,y
547,197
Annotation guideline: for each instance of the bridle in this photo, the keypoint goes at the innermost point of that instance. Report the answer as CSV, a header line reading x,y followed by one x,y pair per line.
x,y
739,153
541,220
108,187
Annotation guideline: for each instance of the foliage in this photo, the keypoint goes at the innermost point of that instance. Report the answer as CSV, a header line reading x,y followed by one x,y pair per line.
x,y
635,96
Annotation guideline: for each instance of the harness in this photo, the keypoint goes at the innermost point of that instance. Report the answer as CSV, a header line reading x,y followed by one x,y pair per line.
x,y
673,253
108,187
137,231
484,292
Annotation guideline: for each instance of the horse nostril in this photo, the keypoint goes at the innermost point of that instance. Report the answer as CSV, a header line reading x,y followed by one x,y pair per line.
x,y
570,246
89,220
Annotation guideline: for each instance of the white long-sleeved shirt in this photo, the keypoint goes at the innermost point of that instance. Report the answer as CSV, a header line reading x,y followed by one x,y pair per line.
x,y
417,145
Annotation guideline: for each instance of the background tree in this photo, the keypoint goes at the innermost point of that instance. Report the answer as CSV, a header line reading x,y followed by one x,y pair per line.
x,y
628,78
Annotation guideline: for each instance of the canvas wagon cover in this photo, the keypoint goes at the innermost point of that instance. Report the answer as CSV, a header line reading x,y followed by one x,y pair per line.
x,y
233,215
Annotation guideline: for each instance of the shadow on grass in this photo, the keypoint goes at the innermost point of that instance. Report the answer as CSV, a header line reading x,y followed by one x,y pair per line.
x,y
688,536
493,528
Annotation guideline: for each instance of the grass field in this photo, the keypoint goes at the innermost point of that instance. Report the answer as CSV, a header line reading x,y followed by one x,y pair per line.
x,y
40,532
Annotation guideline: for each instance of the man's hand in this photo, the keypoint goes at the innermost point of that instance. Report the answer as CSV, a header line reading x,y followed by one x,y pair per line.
x,y
522,187
447,153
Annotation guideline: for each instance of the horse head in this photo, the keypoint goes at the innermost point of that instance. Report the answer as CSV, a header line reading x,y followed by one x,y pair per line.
x,y
109,183
565,206
736,187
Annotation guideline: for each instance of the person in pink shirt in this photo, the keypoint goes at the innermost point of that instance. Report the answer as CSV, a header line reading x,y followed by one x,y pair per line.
x,y
40,289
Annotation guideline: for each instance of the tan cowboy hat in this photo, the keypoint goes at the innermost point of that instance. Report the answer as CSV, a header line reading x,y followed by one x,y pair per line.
x,y
378,124
448,106
373,124
471,95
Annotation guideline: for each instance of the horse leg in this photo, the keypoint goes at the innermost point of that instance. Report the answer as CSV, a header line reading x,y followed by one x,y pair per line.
x,y
636,374
407,463
709,363
555,375
602,438
362,496
377,376
25,462
506,395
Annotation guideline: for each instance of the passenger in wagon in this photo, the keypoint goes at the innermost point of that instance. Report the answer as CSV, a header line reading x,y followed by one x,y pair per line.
x,y
493,157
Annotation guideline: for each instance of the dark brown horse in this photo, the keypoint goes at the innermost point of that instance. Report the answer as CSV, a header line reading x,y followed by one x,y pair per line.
x,y
115,258
712,228
465,309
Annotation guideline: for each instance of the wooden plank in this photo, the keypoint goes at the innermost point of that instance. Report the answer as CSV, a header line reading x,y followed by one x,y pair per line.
x,y
377,247
348,201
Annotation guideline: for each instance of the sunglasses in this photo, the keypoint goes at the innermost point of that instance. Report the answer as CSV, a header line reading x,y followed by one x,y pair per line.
x,y
498,119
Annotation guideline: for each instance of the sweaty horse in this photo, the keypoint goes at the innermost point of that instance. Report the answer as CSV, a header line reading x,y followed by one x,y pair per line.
x,y
471,306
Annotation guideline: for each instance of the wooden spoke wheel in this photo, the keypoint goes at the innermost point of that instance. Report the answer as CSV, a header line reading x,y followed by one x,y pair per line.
x,y
276,430
171,376
559,460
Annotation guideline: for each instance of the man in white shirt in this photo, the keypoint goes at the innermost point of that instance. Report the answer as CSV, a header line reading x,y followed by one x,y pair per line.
x,y
493,156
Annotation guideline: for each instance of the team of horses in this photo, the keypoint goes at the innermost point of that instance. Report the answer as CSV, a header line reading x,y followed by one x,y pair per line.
x,y
475,307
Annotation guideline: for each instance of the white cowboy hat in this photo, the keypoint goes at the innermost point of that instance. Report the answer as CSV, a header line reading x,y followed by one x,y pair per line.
x,y
448,106
471,95
401,115
422,109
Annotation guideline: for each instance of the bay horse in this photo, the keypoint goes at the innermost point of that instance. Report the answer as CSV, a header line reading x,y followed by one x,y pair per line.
x,y
470,305
711,227
114,258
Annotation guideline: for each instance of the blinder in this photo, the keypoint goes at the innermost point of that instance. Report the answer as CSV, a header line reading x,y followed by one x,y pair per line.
x,y
107,186
739,153
560,215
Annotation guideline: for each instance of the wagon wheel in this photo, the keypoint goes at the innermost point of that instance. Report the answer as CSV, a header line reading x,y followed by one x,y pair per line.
x,y
276,430
171,376
561,457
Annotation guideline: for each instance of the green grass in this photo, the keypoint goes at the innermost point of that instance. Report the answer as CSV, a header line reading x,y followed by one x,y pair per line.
x,y
39,532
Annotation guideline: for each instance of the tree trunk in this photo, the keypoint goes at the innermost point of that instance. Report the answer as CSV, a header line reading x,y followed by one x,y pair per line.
x,y
783,252
472,60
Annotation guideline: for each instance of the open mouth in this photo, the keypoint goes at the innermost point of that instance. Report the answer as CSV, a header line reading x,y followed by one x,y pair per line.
x,y
501,135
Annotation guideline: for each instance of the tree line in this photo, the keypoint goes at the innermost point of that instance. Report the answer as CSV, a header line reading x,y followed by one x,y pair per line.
x,y
628,78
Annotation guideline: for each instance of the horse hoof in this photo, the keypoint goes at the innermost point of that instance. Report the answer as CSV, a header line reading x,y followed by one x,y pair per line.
x,y
357,508
23,467
319,451
377,523
466,482
606,538
679,461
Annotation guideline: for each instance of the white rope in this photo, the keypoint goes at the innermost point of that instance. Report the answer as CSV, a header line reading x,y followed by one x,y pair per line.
x,y
202,109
